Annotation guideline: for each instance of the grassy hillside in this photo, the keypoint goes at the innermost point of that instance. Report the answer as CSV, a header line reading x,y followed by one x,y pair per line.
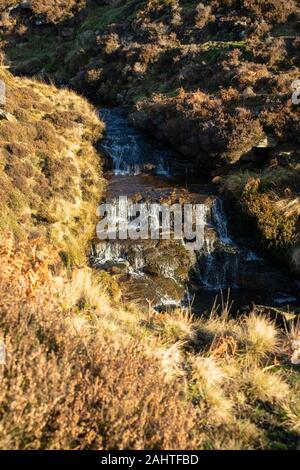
x,y
50,173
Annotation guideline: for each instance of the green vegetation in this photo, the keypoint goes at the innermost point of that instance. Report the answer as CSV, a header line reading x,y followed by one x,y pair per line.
x,y
104,16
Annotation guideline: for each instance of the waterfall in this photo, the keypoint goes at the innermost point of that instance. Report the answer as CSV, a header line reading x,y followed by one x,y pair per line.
x,y
219,259
219,219
162,270
128,149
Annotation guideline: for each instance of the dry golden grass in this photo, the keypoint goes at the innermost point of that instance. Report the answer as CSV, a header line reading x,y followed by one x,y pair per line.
x,y
85,372
50,172
66,386
261,336
290,207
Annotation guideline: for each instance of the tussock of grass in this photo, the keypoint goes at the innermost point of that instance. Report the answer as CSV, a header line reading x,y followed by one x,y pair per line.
x,y
261,336
266,386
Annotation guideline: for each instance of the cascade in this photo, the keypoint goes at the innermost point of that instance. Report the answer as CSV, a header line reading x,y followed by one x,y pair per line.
x,y
167,269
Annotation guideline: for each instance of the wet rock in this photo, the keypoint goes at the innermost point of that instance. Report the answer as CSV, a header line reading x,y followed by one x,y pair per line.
x,y
158,291
86,39
67,33
258,276
28,67
149,168
120,268
268,141
114,267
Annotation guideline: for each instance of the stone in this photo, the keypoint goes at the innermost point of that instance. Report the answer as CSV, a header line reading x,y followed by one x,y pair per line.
x,y
67,33
28,67
115,267
86,38
255,276
4,115
26,5
120,268
268,141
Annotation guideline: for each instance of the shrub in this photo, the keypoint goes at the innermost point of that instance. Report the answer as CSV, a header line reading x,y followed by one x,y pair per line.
x,y
200,125
55,11
203,15
278,229
272,11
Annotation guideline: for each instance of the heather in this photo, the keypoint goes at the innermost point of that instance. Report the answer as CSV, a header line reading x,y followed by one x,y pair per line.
x,y
85,372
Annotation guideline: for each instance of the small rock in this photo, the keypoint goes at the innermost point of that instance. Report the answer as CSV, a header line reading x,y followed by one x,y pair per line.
x,y
217,180
4,115
115,267
86,38
267,142
26,5
67,33
28,67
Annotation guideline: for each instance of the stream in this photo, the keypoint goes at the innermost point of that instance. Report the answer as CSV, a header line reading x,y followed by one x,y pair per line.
x,y
164,272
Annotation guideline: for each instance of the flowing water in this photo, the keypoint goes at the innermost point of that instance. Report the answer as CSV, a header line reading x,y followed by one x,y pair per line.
x,y
164,272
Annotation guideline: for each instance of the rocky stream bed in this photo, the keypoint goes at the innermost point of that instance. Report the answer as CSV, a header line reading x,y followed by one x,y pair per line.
x,y
164,272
